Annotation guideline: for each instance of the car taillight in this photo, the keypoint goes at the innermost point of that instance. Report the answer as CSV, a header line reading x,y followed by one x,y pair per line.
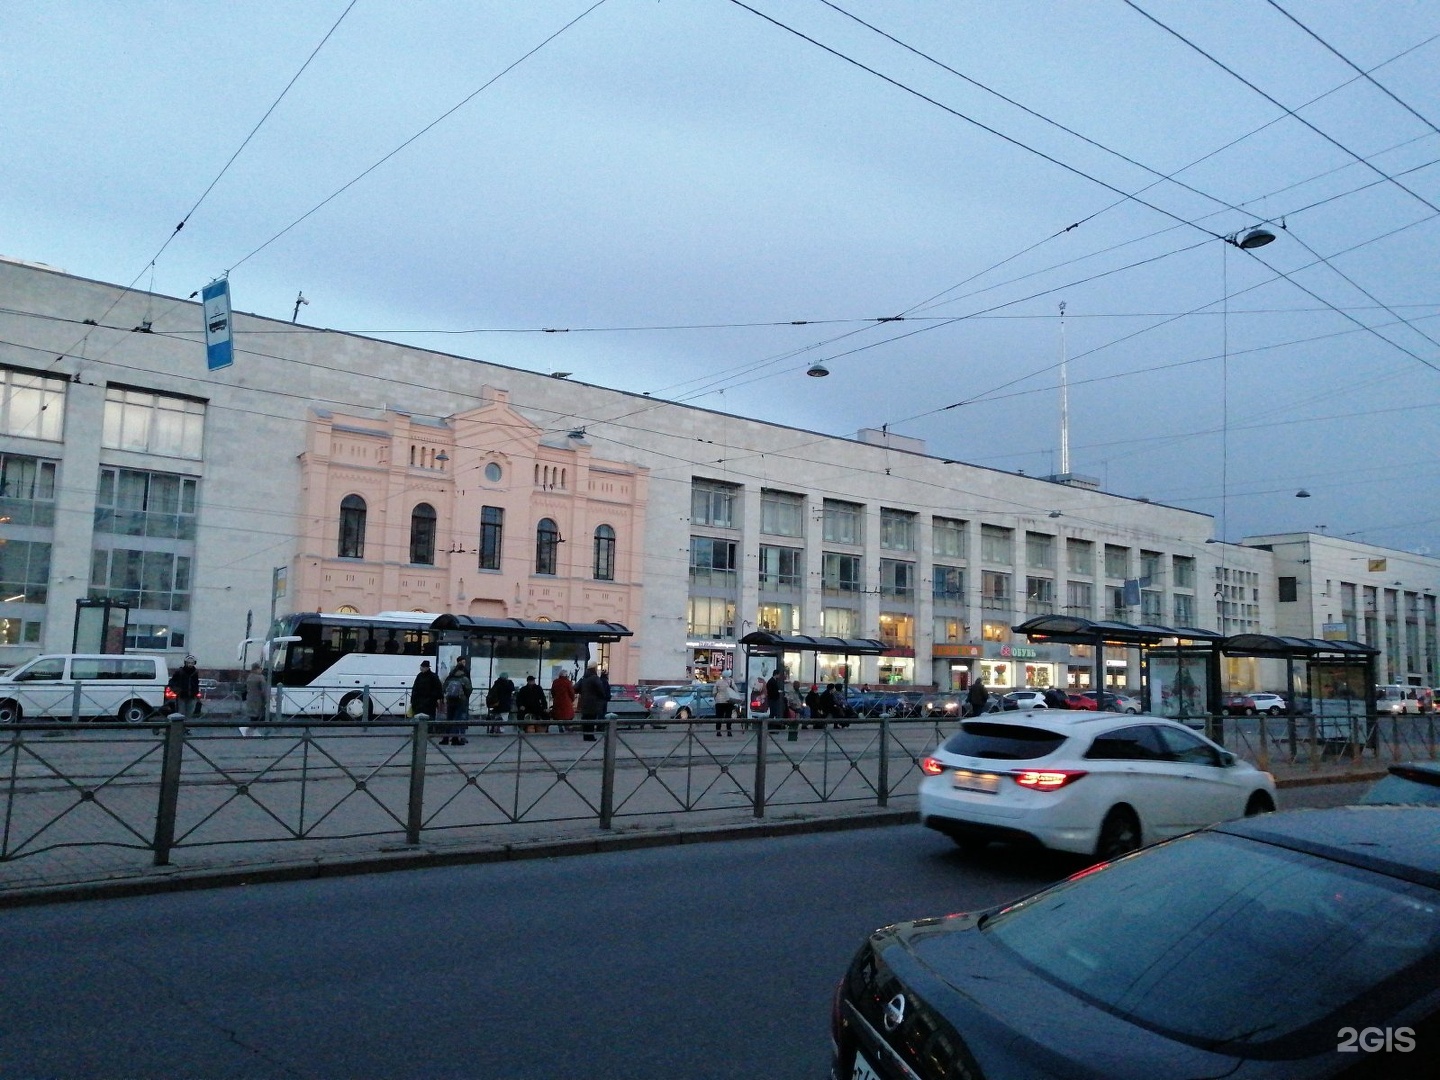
x,y
931,766
1046,779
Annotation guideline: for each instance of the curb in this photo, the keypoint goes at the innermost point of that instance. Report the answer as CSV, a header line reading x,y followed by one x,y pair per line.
x,y
170,880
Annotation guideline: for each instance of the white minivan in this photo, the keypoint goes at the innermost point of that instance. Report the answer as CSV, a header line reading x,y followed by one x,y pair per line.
x,y
1393,698
126,687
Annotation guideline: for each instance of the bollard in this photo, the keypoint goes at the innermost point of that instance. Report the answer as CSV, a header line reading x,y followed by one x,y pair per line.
x,y
883,777
762,743
419,747
607,774
165,813
75,704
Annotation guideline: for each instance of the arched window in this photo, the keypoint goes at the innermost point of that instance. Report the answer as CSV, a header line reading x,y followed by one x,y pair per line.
x,y
547,546
352,527
604,553
422,534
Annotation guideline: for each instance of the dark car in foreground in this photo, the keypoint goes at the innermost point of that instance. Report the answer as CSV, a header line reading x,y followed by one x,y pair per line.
x,y
1300,944
1412,782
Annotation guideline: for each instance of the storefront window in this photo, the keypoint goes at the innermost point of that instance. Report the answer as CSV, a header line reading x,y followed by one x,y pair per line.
x,y
998,675
897,631
897,669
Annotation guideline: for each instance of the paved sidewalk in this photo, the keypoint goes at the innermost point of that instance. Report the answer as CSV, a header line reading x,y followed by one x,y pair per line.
x,y
77,878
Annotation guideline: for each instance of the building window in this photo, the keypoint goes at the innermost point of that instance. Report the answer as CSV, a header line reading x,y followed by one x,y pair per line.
x,y
949,584
897,630
997,545
1151,563
352,527
1118,609
1080,557
157,580
153,423
422,535
604,553
1079,598
19,631
32,406
950,630
27,491
1184,609
712,562
842,573
780,568
1117,561
778,618
713,503
840,622
995,594
1039,551
994,631
843,524
24,571
1039,596
492,530
153,636
132,502
1184,570
710,616
782,514
1152,606
493,472
547,546
897,579
897,530
947,538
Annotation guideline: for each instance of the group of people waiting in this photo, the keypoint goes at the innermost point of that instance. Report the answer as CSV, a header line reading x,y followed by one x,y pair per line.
x,y
447,702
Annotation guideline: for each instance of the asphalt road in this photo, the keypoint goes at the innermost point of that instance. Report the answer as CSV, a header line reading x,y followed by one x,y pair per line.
x,y
684,963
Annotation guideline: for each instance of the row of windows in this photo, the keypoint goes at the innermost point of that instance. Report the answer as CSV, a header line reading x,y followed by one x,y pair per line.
x,y
351,545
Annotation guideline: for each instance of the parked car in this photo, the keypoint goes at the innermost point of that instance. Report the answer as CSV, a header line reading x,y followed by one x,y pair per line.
x,y
1254,704
944,705
1296,944
1090,783
1108,701
125,686
1026,699
1396,698
682,703
628,703
880,703
1413,782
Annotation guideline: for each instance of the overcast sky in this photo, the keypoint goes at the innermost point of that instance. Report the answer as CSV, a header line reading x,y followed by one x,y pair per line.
x,y
678,182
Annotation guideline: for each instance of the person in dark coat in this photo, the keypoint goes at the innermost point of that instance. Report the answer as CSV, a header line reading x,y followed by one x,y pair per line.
x,y
425,692
593,694
185,682
500,701
457,704
977,698
531,706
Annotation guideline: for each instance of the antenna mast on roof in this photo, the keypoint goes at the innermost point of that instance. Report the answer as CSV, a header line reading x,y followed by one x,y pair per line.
x,y
1064,399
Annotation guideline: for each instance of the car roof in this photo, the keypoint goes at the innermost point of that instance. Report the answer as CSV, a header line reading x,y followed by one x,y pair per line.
x,y
1074,721
1394,840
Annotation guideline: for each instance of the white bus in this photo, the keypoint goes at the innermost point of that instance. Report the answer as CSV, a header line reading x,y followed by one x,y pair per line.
x,y
322,664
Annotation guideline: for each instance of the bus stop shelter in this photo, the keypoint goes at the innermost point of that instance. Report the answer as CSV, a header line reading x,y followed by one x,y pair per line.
x,y
522,642
770,644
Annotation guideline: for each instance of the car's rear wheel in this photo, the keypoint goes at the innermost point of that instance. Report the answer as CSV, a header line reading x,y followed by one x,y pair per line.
x,y
134,712
352,707
1274,710
1260,803
1119,833
10,712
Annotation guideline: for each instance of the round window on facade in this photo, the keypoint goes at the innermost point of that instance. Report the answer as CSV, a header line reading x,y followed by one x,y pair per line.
x,y
492,473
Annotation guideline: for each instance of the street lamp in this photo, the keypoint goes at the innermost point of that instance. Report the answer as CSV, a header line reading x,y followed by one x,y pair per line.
x,y
818,370
1251,239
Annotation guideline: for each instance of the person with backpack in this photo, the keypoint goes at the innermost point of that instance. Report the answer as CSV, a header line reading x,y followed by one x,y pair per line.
x,y
500,701
457,704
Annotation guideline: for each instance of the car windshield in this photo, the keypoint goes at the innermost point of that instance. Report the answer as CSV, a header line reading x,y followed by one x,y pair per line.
x,y
1008,742
1220,941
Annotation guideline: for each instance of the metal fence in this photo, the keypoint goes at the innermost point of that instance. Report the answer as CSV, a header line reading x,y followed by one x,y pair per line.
x,y
171,792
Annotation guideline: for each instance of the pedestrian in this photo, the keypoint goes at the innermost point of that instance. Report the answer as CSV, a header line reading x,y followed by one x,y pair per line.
x,y
530,705
1055,698
725,697
593,694
425,692
500,700
457,704
977,698
775,695
257,693
185,683
819,706
562,699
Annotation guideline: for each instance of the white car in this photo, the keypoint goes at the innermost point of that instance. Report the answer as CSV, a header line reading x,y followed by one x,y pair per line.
x,y
1025,699
1092,783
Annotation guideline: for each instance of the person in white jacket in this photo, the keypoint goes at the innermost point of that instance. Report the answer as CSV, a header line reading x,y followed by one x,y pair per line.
x,y
725,698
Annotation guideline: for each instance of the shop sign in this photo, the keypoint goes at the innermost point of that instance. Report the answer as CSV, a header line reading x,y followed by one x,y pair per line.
x,y
1020,652
710,645
969,651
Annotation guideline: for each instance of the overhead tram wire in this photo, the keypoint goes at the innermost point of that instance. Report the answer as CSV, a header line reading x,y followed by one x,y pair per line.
x,y
434,123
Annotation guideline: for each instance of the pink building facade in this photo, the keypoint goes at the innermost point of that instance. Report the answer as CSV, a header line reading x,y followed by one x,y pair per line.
x,y
480,513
